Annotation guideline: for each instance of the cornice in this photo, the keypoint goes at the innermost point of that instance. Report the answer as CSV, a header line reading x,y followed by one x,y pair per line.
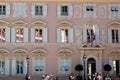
x,y
64,0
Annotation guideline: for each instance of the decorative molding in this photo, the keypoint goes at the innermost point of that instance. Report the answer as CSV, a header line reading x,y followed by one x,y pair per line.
x,y
19,23
64,24
102,11
39,24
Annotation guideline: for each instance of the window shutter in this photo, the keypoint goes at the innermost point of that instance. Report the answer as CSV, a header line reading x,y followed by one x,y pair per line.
x,y
58,35
109,36
119,35
7,67
97,33
70,10
25,35
45,36
70,35
25,67
111,64
58,10
33,10
32,35
13,67
7,8
13,35
84,35
17,11
45,9
7,35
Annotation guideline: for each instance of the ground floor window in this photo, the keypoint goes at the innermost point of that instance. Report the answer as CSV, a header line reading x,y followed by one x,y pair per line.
x,y
19,67
116,66
2,67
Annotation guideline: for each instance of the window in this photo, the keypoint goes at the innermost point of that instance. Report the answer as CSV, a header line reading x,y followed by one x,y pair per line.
x,y
20,10
64,10
90,10
2,67
38,10
2,10
90,35
19,67
65,35
39,66
116,66
2,35
38,35
114,11
115,38
19,34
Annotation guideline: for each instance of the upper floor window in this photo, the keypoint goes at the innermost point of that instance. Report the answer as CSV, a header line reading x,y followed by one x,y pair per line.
x,y
2,9
2,35
114,11
90,35
20,10
19,34
65,10
39,9
2,67
90,11
115,38
65,32
38,35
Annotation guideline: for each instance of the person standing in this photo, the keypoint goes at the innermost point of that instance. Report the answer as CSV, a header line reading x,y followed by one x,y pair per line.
x,y
118,78
26,77
99,77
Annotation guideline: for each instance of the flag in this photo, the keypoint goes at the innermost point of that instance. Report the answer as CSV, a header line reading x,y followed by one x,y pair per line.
x,y
95,41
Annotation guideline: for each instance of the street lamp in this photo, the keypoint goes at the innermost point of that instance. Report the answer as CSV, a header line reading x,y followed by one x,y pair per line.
x,y
27,58
84,58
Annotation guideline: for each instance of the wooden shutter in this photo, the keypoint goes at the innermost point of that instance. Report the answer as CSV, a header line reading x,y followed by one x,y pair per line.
x,y
84,35
70,10
45,36
32,35
7,68
109,36
58,35
33,9
45,9
7,35
70,35
59,10
25,67
25,35
7,8
13,67
13,35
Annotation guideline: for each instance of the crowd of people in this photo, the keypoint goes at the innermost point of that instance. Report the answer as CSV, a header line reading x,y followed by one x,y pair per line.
x,y
95,76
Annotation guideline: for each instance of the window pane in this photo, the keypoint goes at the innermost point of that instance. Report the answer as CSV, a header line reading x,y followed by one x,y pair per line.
x,y
19,35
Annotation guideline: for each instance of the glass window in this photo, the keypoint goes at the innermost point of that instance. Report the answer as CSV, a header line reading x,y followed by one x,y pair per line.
x,y
2,9
64,10
89,8
38,35
2,67
90,35
115,38
38,10
19,34
114,9
2,34
116,66
19,67
64,35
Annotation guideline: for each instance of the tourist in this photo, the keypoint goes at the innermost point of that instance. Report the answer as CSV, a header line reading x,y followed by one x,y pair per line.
x,y
71,76
118,78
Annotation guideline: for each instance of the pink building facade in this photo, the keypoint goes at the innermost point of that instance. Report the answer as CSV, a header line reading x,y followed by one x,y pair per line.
x,y
56,35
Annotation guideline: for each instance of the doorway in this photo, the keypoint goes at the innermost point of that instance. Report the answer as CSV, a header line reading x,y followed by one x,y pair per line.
x,y
91,66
